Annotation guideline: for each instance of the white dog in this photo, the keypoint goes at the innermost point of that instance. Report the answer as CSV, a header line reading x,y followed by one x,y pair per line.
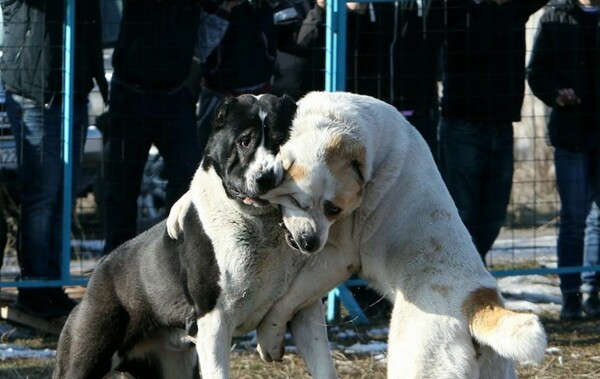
x,y
363,195
362,186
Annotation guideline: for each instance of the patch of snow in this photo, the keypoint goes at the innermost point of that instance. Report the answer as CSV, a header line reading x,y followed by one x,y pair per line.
x,y
11,351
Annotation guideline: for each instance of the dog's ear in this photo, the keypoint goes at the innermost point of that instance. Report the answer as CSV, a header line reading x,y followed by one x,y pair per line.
x,y
222,110
343,150
287,106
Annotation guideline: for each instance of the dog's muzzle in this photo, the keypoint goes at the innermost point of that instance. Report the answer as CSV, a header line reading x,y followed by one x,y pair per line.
x,y
306,244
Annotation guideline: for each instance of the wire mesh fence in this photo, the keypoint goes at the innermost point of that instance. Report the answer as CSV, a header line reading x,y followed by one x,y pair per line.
x,y
406,35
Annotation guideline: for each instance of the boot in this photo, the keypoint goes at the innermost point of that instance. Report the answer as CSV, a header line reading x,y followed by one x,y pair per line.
x,y
591,306
60,299
36,301
571,308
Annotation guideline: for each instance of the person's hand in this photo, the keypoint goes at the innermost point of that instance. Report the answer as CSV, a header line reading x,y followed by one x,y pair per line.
x,y
567,96
359,8
228,5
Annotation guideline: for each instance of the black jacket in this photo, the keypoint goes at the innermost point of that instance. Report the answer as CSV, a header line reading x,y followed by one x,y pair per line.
x,y
392,52
484,70
566,55
32,60
156,43
247,53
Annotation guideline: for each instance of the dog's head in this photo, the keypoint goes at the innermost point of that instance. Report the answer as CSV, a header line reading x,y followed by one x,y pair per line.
x,y
323,182
247,134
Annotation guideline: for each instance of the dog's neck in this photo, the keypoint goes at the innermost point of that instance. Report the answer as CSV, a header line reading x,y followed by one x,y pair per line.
x,y
209,190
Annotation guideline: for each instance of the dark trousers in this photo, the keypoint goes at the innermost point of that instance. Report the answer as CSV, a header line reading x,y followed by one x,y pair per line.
x,y
38,134
476,162
139,119
578,184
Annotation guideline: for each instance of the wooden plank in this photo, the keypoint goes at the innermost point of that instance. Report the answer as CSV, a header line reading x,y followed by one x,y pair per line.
x,y
15,315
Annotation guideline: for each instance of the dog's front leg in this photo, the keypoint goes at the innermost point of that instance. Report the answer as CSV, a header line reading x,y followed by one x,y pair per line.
x,y
320,274
213,345
309,331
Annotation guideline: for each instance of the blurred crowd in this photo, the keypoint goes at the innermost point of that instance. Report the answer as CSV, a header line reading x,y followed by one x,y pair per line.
x,y
455,69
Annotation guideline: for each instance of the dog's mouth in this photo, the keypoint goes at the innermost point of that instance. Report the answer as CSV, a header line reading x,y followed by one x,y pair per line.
x,y
245,198
289,238
257,202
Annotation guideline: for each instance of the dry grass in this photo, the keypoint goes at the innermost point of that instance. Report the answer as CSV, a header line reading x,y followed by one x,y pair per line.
x,y
574,352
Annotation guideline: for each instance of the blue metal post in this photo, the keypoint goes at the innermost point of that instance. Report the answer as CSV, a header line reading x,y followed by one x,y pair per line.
x,y
67,104
335,45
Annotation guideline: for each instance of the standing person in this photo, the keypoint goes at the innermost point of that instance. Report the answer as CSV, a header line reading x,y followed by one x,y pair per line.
x,y
415,64
32,63
483,90
150,103
393,55
564,72
244,61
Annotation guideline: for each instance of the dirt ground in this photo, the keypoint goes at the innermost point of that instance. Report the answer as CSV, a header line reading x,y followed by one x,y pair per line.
x,y
573,352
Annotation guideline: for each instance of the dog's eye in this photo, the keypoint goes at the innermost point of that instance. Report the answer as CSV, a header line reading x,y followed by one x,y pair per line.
x,y
331,209
245,141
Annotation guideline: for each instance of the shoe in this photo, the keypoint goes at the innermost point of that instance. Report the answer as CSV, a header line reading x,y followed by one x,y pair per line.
x,y
37,303
60,299
591,306
571,309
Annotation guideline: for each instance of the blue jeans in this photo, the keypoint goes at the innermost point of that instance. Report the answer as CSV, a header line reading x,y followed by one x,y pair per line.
x,y
39,149
592,249
578,182
139,119
476,162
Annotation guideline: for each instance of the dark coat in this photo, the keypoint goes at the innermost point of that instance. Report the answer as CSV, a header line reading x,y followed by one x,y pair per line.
x,y
484,70
156,43
566,55
32,60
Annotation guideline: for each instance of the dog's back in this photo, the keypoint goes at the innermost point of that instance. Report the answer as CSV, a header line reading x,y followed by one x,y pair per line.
x,y
134,313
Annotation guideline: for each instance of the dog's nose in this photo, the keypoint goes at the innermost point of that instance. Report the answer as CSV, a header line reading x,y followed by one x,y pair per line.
x,y
266,182
309,242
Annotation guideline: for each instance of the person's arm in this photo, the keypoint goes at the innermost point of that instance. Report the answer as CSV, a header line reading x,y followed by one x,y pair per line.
x,y
541,70
212,29
96,57
527,8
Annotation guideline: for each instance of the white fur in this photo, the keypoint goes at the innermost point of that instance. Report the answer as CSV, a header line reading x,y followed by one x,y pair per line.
x,y
256,268
405,238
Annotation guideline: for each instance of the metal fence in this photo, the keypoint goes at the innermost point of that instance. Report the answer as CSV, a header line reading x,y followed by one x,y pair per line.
x,y
526,246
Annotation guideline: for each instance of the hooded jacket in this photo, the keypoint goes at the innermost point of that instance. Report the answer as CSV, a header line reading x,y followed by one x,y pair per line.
x,y
566,54
32,60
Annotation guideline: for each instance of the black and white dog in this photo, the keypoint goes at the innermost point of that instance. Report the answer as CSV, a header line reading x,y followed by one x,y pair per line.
x,y
228,266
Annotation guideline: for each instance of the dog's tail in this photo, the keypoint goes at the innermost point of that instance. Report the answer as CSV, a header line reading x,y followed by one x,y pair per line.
x,y
513,335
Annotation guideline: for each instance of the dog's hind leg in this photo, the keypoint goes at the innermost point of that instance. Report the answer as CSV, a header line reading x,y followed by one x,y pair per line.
x,y
310,336
88,341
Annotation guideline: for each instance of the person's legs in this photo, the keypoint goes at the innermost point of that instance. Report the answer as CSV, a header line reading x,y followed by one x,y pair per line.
x,y
572,180
126,154
591,279
426,122
463,156
208,103
39,147
496,185
177,145
591,248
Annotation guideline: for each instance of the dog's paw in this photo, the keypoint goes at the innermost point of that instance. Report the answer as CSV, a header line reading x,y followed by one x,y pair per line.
x,y
176,215
270,341
266,356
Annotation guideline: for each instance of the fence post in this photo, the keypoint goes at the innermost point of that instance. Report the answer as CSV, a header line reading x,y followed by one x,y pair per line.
x,y
67,126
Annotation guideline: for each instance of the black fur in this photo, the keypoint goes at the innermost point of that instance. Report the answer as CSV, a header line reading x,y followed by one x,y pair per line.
x,y
153,285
